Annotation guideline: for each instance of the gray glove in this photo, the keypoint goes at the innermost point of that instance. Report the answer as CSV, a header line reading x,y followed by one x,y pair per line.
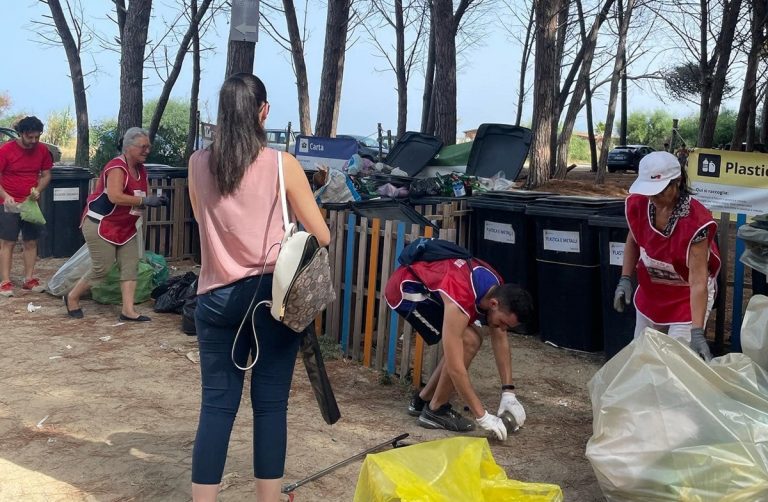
x,y
154,200
623,294
699,344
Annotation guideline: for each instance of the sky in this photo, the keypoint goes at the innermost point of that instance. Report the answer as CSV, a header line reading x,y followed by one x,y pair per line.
x,y
36,77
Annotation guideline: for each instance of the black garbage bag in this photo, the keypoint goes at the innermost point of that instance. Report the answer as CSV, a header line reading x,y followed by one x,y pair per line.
x,y
170,297
188,311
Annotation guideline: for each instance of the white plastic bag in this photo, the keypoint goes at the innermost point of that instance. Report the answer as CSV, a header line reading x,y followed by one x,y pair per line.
x,y
338,188
668,426
73,269
754,330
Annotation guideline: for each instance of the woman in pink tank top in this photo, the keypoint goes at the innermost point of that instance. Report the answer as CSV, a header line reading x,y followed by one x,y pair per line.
x,y
234,191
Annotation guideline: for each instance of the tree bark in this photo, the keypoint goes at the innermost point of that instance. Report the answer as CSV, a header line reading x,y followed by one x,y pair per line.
x,y
72,50
562,30
445,72
612,94
402,80
133,42
299,67
240,57
165,93
588,45
544,86
764,117
427,117
194,93
336,27
745,119
725,44
527,46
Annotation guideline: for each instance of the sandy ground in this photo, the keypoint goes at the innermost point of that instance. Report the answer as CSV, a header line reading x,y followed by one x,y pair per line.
x,y
91,410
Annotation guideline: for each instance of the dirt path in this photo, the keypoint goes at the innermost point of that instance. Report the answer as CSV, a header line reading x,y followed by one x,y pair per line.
x,y
86,417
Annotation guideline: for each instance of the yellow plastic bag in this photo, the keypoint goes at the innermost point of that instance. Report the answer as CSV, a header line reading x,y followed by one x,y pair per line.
x,y
455,469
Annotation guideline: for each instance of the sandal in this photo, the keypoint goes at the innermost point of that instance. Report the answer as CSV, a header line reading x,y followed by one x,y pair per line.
x,y
141,318
74,314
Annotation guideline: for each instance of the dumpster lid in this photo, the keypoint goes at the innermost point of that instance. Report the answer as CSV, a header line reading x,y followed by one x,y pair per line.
x,y
499,147
71,172
390,209
608,220
413,151
581,201
521,195
394,179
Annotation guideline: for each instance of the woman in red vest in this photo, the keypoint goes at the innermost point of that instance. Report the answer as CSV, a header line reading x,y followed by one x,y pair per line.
x,y
671,246
109,223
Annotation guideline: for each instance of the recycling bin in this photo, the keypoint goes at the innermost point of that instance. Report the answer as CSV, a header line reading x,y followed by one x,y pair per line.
x,y
62,205
568,269
503,237
618,327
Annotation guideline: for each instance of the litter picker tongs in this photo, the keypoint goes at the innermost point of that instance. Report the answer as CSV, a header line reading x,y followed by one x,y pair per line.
x,y
395,442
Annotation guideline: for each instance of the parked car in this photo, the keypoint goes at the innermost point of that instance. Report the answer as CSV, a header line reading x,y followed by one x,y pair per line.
x,y
757,147
279,140
367,147
627,157
7,134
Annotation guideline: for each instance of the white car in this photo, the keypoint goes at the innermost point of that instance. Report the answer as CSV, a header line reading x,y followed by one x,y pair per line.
x,y
279,140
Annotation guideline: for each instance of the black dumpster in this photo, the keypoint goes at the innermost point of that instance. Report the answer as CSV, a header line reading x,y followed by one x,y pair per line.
x,y
62,205
504,237
159,171
618,327
568,269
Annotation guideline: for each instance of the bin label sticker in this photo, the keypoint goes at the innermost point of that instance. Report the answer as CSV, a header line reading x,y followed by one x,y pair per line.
x,y
560,240
64,194
499,232
617,253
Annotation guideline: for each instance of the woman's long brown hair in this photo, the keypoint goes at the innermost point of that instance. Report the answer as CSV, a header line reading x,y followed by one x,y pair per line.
x,y
240,135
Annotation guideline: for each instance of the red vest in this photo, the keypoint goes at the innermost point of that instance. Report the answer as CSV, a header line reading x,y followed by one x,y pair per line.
x,y
117,223
663,293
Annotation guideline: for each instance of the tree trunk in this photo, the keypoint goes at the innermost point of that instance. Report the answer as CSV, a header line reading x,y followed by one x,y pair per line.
x,y
240,56
764,117
194,93
591,127
336,27
427,117
72,51
544,86
562,29
745,119
527,46
132,44
299,67
725,43
623,130
165,94
582,83
445,72
612,95
402,80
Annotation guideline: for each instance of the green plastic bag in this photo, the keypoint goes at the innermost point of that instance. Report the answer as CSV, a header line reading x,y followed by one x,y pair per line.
x,y
108,290
30,212
458,468
159,268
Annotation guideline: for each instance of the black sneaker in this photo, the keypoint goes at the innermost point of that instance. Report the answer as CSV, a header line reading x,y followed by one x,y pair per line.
x,y
446,418
416,405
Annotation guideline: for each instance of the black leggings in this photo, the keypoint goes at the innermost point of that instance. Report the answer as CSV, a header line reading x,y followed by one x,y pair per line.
x,y
217,318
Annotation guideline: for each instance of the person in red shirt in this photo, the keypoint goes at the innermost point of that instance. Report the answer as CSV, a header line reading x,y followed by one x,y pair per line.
x,y
671,245
444,300
25,171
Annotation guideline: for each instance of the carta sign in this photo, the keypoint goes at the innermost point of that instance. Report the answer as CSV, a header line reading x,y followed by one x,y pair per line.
x,y
312,151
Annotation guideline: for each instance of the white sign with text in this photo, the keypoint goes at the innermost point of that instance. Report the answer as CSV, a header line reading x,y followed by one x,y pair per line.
x,y
499,232
65,194
617,253
561,240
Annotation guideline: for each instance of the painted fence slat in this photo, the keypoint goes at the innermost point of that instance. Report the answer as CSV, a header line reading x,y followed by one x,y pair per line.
x,y
393,317
337,277
381,326
346,316
738,289
362,252
371,303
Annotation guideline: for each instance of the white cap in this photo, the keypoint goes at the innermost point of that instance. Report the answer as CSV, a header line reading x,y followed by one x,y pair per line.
x,y
656,170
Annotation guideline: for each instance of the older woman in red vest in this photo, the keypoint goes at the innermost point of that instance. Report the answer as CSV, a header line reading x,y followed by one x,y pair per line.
x,y
109,223
671,246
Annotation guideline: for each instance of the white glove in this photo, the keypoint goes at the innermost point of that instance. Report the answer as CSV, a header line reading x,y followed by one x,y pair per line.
x,y
11,206
510,403
493,424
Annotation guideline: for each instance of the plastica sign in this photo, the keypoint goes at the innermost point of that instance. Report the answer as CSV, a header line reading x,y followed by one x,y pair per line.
x,y
731,182
313,152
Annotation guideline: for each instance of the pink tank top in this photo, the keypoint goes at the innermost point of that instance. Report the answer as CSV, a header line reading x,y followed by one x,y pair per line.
x,y
238,232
